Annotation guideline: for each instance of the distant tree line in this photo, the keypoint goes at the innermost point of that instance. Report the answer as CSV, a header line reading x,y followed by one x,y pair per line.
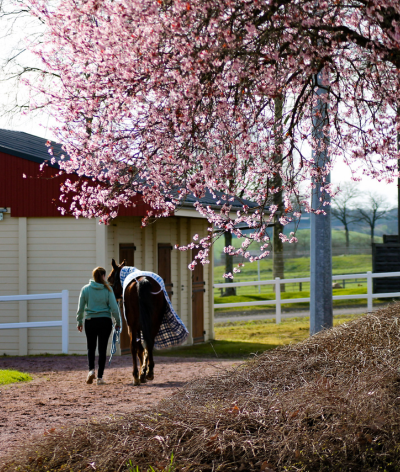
x,y
351,207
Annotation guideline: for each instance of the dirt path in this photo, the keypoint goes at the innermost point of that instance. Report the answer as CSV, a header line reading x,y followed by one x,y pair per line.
x,y
58,394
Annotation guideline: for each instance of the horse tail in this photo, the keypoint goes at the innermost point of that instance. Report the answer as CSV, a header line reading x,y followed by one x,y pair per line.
x,y
145,310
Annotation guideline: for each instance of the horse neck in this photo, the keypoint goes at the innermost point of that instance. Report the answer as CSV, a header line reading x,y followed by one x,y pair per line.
x,y
118,285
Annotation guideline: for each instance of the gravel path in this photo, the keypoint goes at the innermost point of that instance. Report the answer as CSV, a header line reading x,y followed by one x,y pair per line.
x,y
58,394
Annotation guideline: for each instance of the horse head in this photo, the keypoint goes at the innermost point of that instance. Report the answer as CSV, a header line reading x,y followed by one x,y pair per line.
x,y
114,278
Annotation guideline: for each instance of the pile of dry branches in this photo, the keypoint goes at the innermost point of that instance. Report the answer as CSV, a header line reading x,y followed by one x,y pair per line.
x,y
329,403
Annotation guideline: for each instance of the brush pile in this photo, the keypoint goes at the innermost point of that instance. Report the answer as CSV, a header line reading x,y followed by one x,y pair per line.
x,y
329,403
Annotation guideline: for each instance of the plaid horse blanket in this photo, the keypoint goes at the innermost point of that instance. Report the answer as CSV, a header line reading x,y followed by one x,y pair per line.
x,y
172,330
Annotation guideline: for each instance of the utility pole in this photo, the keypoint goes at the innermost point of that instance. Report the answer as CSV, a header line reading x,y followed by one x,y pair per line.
x,y
321,311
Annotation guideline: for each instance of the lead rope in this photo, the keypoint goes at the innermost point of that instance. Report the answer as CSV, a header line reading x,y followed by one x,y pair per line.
x,y
115,341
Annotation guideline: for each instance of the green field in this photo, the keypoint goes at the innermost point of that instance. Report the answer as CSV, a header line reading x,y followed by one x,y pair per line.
x,y
12,376
359,240
241,339
298,267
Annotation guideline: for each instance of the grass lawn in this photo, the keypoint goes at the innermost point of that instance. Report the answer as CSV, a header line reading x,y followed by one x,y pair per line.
x,y
12,376
241,339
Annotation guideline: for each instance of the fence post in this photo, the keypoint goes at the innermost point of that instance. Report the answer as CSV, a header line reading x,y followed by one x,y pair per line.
x,y
369,291
64,318
278,298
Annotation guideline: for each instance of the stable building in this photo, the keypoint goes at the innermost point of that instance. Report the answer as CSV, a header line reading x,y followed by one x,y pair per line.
x,y
44,252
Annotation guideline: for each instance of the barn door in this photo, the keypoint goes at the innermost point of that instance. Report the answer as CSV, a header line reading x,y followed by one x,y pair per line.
x,y
127,252
164,266
197,301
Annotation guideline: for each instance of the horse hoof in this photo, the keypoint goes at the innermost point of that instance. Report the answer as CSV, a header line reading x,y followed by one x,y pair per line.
x,y
150,376
142,380
136,382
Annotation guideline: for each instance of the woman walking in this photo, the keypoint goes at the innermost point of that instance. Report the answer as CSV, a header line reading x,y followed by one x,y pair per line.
x,y
96,305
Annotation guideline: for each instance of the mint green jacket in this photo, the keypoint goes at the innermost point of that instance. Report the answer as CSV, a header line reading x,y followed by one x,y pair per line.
x,y
96,301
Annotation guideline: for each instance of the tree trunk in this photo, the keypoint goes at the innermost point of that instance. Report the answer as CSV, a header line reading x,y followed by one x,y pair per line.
x,y
278,262
229,266
346,232
277,252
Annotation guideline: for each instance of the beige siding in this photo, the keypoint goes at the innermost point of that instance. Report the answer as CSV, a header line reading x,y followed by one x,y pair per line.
x,y
9,283
110,251
127,230
61,255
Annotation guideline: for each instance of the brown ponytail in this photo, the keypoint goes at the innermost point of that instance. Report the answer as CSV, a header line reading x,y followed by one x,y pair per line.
x,y
98,274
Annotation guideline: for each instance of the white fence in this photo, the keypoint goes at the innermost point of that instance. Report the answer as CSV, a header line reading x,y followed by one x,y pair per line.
x,y
278,300
64,295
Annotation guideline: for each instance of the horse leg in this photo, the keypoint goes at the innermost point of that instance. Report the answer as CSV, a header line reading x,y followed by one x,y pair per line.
x,y
142,354
150,374
135,372
159,310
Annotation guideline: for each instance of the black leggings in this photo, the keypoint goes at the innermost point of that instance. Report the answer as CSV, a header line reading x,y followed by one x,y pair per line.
x,y
97,328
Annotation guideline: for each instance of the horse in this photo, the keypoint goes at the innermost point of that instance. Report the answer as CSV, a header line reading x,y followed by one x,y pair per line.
x,y
144,304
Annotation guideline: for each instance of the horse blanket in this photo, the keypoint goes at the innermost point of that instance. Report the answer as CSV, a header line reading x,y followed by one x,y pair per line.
x,y
172,330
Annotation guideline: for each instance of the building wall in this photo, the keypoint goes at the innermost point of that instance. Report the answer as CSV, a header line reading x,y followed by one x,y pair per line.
x,y
125,230
51,254
48,255
38,197
176,231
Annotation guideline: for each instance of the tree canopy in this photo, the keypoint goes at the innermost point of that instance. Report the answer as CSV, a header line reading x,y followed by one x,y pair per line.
x,y
168,98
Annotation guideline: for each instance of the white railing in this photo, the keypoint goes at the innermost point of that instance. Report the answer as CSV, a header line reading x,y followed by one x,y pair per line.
x,y
64,295
278,300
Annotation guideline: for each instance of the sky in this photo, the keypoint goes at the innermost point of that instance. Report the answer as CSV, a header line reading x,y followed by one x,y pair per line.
x,y
341,173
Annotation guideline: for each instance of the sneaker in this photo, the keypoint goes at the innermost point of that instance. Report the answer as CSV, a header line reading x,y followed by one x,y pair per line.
x,y
100,382
90,377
